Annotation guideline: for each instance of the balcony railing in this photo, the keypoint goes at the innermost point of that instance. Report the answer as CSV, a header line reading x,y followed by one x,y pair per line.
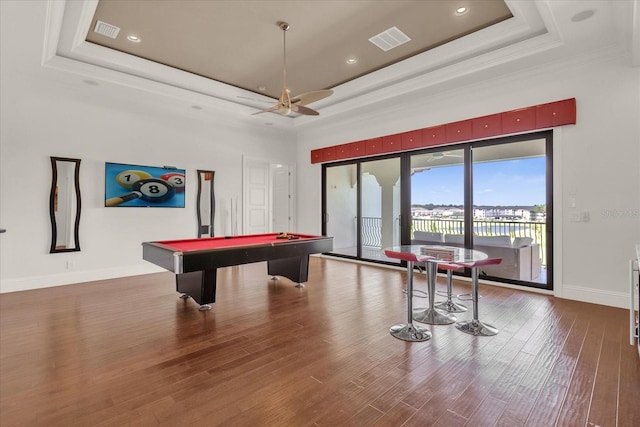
x,y
372,230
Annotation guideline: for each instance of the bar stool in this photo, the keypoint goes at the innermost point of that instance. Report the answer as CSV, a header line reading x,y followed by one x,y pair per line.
x,y
408,331
475,326
449,305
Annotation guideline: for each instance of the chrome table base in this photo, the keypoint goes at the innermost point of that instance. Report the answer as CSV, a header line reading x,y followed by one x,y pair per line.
x,y
431,315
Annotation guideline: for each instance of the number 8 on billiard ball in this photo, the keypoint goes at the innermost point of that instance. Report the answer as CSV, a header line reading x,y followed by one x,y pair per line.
x,y
154,190
176,179
151,190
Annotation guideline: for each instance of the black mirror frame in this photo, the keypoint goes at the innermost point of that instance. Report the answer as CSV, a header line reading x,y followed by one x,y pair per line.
x,y
202,176
52,204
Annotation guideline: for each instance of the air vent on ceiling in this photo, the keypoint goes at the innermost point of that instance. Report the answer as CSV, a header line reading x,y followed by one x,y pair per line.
x,y
106,29
389,39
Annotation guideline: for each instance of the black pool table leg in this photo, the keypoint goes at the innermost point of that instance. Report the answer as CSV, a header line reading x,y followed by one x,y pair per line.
x,y
295,269
199,285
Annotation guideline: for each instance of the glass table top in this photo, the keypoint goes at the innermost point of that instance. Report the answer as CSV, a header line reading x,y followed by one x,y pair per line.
x,y
438,253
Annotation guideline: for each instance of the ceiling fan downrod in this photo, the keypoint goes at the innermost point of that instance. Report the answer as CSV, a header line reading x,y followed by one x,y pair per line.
x,y
285,99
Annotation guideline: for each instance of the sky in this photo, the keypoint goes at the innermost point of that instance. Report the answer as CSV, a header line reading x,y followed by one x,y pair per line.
x,y
500,183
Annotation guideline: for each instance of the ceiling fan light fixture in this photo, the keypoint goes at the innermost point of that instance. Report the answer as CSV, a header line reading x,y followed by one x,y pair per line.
x,y
285,111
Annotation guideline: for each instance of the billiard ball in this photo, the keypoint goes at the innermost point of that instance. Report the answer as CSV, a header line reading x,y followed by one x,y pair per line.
x,y
154,190
176,179
129,177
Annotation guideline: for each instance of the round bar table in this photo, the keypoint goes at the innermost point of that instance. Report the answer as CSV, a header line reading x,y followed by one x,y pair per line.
x,y
408,331
432,315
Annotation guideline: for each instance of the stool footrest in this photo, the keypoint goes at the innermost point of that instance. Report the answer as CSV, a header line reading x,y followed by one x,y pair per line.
x,y
417,293
466,297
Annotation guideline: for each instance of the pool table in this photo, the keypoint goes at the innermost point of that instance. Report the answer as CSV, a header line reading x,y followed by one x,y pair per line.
x,y
195,261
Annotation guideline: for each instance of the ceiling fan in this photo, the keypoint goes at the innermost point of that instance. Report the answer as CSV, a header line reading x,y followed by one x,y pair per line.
x,y
296,104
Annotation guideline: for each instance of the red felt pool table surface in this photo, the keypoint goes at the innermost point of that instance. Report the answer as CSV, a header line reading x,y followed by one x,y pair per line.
x,y
209,243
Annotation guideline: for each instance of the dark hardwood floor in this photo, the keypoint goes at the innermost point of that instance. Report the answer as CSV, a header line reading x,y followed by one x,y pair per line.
x,y
130,352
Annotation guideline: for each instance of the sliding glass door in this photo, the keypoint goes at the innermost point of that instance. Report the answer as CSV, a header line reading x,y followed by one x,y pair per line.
x,y
493,195
510,208
362,208
437,197
341,208
380,207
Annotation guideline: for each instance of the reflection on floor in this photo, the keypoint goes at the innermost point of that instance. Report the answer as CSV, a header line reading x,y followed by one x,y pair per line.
x,y
370,253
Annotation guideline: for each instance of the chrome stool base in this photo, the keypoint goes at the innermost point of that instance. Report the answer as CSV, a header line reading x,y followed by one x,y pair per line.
x,y
410,332
477,328
450,306
432,316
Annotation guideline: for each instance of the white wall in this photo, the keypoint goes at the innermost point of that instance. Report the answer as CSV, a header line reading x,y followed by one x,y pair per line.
x,y
49,113
597,160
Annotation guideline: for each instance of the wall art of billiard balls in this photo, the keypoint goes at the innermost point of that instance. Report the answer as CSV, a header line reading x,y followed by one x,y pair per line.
x,y
144,186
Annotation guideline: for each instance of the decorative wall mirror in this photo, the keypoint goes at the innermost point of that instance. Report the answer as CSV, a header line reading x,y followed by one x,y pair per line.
x,y
64,204
206,203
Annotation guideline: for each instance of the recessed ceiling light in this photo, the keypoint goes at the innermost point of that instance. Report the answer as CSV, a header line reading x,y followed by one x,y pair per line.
x,y
196,107
351,61
461,10
134,38
583,16
90,82
262,88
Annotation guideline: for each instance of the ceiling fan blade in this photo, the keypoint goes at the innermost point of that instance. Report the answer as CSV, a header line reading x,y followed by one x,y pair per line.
x,y
309,97
297,108
267,110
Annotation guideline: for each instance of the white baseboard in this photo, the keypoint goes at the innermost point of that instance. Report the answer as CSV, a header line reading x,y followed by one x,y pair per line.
x,y
594,296
576,293
69,278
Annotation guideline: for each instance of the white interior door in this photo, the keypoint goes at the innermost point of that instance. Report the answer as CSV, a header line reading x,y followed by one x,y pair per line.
x,y
256,196
282,177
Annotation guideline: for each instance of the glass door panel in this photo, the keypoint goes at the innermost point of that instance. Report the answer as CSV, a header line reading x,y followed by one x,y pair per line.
x,y
509,208
437,198
380,207
341,186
